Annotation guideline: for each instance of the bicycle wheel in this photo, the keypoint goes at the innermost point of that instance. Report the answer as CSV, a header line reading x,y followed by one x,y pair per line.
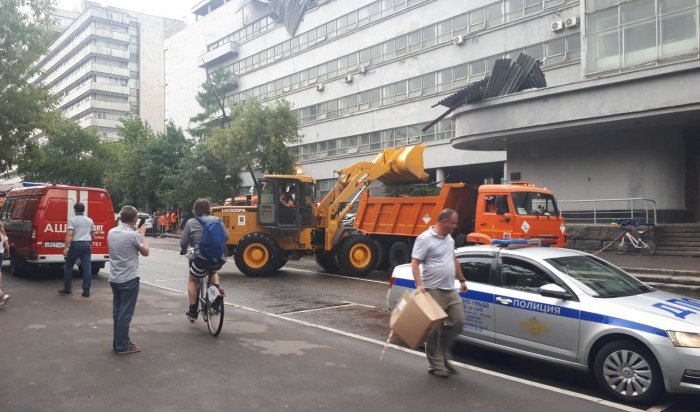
x,y
622,247
650,248
215,315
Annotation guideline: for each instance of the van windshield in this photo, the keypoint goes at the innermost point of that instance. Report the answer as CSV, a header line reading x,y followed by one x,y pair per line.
x,y
534,203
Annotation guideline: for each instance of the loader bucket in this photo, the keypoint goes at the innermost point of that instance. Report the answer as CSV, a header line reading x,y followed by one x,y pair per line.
x,y
405,164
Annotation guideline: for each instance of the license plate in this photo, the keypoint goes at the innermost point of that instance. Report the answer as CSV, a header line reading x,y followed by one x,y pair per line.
x,y
54,245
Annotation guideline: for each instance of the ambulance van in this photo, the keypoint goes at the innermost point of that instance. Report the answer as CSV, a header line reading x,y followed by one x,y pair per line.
x,y
36,217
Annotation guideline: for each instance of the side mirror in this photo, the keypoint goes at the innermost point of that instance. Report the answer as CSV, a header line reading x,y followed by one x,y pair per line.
x,y
552,290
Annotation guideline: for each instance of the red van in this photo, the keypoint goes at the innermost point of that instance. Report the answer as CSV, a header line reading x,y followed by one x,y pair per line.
x,y
35,219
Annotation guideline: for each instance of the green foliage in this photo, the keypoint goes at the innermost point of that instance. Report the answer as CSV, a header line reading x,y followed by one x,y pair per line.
x,y
210,99
257,138
69,155
145,162
24,108
419,189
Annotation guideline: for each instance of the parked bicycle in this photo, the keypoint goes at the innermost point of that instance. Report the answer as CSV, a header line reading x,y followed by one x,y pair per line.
x,y
633,239
211,303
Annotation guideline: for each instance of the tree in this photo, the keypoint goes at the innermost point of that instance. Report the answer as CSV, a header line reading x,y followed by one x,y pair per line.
x,y
69,155
24,107
146,162
211,99
257,138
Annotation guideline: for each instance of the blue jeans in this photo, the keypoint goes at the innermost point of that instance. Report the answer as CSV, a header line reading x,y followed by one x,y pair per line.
x,y
123,306
82,250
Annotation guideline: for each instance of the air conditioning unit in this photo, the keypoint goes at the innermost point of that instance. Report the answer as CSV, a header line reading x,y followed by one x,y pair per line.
x,y
363,69
557,25
458,40
571,22
348,78
319,87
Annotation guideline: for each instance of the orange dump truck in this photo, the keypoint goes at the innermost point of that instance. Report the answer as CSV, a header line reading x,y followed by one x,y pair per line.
x,y
517,211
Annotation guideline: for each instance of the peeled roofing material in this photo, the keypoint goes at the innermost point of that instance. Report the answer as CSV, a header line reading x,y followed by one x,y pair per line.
x,y
506,77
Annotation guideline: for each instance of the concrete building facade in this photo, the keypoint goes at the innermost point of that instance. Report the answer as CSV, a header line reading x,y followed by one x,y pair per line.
x,y
365,75
108,64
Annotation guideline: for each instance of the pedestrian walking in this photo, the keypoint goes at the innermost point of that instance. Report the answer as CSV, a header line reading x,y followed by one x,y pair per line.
x,y
4,253
78,245
125,244
435,268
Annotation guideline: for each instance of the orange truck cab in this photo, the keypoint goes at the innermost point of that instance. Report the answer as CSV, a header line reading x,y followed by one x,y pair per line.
x,y
513,211
517,211
35,219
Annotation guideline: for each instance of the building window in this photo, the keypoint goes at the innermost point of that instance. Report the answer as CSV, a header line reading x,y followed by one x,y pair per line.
x,y
627,34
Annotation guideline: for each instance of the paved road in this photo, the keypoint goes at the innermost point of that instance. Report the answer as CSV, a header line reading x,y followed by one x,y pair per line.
x,y
299,340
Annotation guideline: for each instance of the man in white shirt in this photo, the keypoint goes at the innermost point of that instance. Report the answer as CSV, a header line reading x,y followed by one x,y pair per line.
x,y
435,268
79,232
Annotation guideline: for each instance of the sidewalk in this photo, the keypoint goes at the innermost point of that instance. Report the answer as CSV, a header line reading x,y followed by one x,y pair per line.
x,y
56,355
674,271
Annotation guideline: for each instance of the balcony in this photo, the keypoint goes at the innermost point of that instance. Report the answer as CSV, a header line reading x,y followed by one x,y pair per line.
x,y
226,51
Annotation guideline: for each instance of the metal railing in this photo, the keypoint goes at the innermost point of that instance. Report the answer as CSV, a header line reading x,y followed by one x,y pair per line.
x,y
608,210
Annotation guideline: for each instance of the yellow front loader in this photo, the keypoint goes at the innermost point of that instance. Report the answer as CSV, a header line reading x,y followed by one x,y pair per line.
x,y
288,223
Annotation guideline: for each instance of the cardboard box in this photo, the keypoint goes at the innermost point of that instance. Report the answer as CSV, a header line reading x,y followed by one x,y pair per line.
x,y
414,318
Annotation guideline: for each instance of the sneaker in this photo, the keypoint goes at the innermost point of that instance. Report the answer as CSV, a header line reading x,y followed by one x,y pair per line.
x,y
191,315
4,298
132,349
64,292
440,373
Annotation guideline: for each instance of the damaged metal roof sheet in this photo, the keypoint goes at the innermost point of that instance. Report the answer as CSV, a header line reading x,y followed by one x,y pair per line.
x,y
288,12
506,77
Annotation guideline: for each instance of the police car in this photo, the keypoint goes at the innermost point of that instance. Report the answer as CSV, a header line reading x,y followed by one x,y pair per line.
x,y
578,310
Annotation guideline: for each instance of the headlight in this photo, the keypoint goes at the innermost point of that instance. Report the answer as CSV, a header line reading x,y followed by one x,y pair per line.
x,y
684,339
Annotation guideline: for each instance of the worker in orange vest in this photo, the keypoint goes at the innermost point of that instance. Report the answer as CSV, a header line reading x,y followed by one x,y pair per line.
x,y
173,221
162,223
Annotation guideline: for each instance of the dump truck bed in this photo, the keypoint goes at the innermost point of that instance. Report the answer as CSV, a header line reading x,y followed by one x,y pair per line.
x,y
410,216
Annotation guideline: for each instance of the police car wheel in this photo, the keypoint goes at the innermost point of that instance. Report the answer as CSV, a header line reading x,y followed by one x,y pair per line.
x,y
629,372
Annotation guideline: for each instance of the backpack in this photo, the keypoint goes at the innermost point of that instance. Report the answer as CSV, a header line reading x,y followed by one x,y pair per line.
x,y
213,241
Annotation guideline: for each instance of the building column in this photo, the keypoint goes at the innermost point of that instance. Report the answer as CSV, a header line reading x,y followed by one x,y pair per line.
x,y
506,178
439,176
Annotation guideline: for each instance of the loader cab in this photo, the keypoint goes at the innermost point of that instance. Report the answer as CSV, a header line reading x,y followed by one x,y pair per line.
x,y
286,202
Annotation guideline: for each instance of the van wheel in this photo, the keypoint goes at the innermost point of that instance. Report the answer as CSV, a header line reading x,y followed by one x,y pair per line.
x,y
628,371
399,253
357,255
17,267
257,254
327,261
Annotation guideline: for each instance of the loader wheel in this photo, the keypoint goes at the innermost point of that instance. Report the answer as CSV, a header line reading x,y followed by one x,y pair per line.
x,y
327,261
357,255
257,254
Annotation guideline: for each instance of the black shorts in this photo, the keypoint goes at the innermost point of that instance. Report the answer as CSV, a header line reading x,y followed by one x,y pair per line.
x,y
200,268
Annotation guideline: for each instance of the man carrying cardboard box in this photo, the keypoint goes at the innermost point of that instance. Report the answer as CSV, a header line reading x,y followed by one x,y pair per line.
x,y
435,268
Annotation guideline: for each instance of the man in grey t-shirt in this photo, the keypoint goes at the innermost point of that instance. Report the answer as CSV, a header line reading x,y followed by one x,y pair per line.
x,y
125,243
79,232
435,268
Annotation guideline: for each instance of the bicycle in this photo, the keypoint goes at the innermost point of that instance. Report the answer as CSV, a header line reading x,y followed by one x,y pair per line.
x,y
211,303
630,238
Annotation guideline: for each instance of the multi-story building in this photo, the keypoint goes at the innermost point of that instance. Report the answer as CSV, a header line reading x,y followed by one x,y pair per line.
x,y
108,64
618,118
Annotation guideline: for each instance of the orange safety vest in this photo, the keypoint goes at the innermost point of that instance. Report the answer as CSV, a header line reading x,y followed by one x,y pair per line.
x,y
173,218
161,220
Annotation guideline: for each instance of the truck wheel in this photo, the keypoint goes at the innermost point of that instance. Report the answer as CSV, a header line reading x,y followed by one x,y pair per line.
x,y
383,254
257,254
281,264
357,255
629,372
399,253
327,261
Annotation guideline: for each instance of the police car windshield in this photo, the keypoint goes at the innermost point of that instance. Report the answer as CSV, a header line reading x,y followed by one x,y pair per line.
x,y
598,278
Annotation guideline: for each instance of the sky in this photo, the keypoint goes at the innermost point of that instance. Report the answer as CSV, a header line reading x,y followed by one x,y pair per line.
x,y
174,9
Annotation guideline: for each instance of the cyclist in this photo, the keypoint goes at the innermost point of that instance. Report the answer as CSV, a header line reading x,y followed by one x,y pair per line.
x,y
199,266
